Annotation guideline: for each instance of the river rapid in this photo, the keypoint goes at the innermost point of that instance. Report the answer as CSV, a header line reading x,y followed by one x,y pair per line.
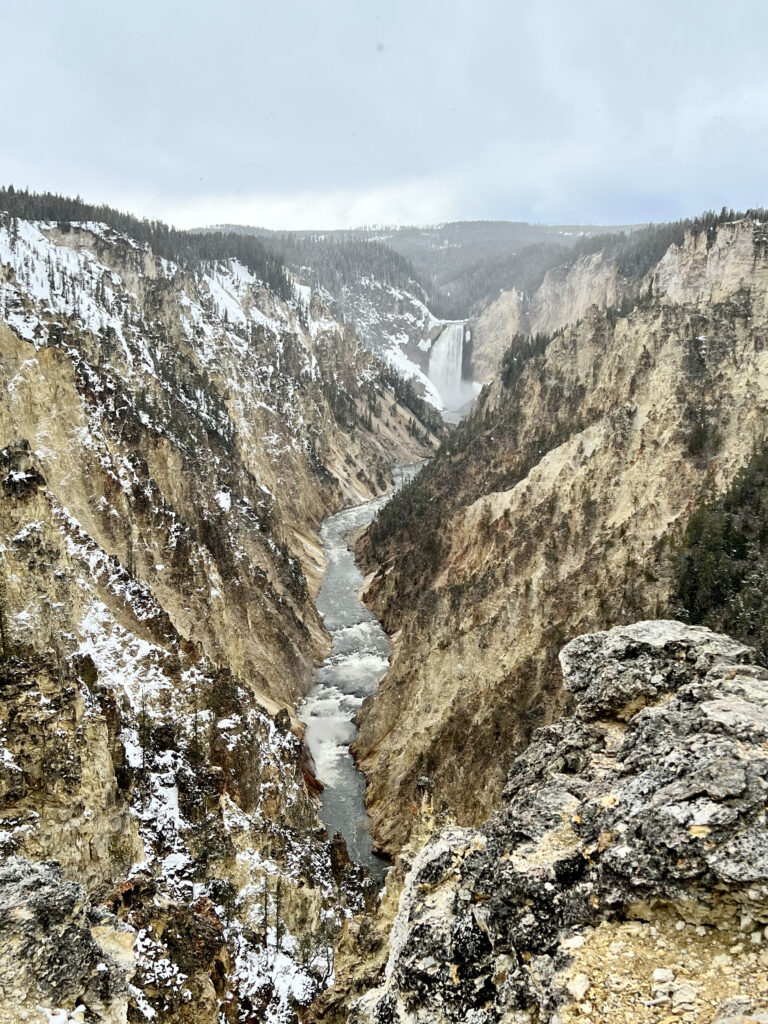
x,y
352,671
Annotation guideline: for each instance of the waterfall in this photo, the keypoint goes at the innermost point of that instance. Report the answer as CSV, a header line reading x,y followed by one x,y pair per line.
x,y
445,362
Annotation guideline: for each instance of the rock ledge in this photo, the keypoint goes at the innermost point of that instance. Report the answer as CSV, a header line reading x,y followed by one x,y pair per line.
x,y
632,842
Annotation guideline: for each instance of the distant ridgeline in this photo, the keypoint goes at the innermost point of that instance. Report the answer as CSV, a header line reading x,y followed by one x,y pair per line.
x,y
481,277
456,268
637,252
721,564
183,247
338,260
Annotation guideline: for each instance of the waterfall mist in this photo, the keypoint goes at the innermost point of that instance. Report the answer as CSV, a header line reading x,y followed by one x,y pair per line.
x,y
445,365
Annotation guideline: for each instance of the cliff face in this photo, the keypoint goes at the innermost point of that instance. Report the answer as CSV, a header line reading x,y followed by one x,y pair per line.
x,y
161,863
547,516
625,876
397,326
196,428
169,440
563,298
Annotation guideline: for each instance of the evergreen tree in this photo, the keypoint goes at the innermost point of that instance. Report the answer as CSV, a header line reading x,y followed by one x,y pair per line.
x,y
721,563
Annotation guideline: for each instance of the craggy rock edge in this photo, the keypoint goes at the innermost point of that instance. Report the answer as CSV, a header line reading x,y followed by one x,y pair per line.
x,y
649,799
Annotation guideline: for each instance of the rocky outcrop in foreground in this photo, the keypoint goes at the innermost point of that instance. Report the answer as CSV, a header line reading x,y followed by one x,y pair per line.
x,y
57,949
626,875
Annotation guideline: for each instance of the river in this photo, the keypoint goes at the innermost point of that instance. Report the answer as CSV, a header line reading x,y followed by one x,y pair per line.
x,y
352,671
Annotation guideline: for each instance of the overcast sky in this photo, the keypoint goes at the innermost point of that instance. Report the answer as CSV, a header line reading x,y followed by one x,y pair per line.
x,y
333,113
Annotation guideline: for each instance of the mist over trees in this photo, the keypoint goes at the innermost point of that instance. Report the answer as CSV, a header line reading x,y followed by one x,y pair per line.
x,y
457,268
635,253
341,260
470,264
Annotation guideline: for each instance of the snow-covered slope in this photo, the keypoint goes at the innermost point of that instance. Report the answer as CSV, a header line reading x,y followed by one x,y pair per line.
x,y
397,326
369,285
170,438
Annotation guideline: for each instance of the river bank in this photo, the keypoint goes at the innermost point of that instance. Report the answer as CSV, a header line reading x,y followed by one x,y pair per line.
x,y
358,660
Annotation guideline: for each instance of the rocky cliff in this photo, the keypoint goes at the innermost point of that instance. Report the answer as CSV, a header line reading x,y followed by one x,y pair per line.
x,y
562,298
196,428
171,435
625,876
547,515
556,288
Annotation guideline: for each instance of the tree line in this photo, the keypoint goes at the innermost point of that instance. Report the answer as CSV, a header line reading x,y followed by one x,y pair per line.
x,y
339,260
187,248
637,252
720,565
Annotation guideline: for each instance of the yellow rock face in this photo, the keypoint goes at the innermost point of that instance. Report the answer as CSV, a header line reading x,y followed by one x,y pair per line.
x,y
595,442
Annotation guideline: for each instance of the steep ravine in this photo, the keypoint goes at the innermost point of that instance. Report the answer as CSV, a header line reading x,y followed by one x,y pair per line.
x,y
547,516
171,438
358,659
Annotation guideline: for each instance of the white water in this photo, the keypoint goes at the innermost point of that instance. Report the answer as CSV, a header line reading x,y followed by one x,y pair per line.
x,y
352,671
445,363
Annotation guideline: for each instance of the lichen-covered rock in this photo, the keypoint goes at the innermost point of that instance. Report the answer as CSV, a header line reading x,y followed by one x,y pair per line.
x,y
647,805
743,1011
619,672
57,950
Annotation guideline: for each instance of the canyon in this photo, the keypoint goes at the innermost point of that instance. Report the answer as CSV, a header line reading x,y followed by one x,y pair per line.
x,y
565,785
547,515
172,439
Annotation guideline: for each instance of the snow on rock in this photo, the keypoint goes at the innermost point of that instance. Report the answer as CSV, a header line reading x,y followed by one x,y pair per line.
x,y
185,427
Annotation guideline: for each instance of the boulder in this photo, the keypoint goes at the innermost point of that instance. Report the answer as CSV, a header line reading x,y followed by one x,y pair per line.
x,y
648,803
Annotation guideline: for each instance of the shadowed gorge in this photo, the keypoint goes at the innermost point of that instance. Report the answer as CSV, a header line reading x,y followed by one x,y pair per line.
x,y
172,437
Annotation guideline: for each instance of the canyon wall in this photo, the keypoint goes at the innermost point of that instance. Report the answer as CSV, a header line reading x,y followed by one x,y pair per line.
x,y
625,875
171,436
563,298
548,515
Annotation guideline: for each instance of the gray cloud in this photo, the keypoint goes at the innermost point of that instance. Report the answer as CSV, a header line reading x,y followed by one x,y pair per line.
x,y
343,112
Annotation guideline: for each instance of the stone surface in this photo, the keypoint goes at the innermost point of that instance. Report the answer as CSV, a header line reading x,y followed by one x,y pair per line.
x,y
647,804
57,949
64,785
